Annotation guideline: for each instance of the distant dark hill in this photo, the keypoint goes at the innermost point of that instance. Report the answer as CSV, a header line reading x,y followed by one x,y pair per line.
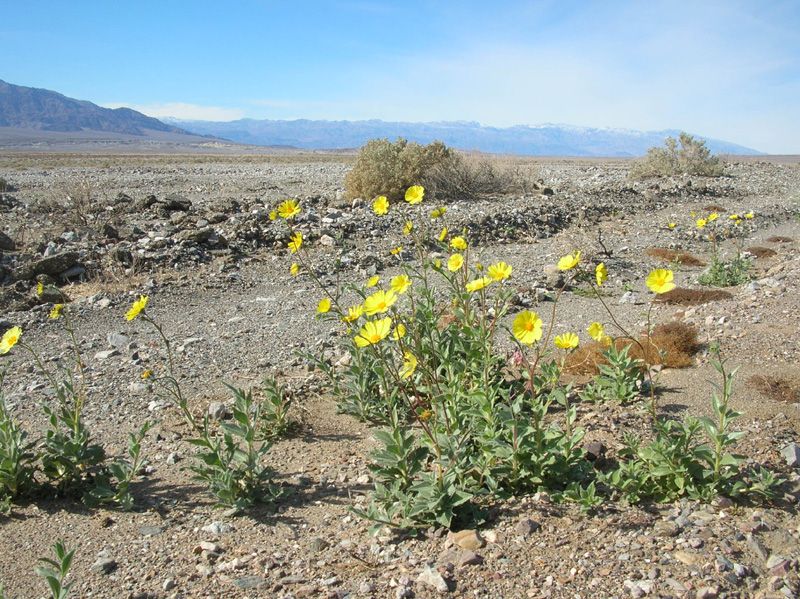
x,y
542,140
45,110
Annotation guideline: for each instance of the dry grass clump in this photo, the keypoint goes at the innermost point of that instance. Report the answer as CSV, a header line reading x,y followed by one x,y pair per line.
x,y
463,177
692,297
671,256
761,252
777,388
677,339
779,239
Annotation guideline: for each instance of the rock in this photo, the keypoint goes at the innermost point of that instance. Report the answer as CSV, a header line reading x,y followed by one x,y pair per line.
x,y
526,526
105,354
6,243
104,565
432,578
249,582
217,410
706,592
594,450
469,558
117,340
168,584
792,454
467,539
56,264
174,201
74,272
629,297
666,528
756,546
151,531
217,528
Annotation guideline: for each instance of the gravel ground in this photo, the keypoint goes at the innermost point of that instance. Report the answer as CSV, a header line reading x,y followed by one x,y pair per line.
x,y
234,313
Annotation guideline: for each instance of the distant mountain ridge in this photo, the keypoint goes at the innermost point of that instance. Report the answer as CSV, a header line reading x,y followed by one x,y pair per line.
x,y
45,110
547,139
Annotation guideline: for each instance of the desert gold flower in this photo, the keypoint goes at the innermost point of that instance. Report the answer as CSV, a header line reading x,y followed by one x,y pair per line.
x,y
527,327
671,225
397,250
408,227
399,331
734,217
373,332
288,209
295,269
380,205
478,284
56,310
499,271
324,305
749,215
458,243
570,260
354,313
438,212
409,365
414,194
147,374
379,302
9,340
296,242
426,415
400,284
443,234
455,262
600,274
566,341
712,217
597,331
373,280
660,280
273,215
137,307
39,289
701,222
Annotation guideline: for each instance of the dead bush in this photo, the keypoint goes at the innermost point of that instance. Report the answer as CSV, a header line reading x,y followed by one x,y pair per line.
x,y
692,158
713,208
678,340
464,177
779,239
777,388
692,297
671,256
761,252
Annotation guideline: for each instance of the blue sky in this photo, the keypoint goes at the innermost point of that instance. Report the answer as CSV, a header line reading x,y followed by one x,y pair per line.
x,y
721,69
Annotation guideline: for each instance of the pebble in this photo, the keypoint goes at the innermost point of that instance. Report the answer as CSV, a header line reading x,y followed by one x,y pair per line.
x,y
104,565
433,578
467,539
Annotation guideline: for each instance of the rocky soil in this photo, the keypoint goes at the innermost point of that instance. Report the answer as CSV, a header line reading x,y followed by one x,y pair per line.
x,y
194,234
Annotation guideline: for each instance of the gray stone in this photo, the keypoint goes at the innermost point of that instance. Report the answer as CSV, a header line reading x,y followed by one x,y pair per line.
x,y
217,528
74,272
249,582
55,264
629,297
756,546
105,354
526,526
6,243
217,410
469,558
117,340
103,565
151,531
792,454
432,578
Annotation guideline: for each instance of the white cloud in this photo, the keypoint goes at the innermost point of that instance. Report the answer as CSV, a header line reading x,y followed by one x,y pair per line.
x,y
181,110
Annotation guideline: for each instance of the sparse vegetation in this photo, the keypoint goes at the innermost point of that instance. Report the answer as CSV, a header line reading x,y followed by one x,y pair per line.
x,y
691,158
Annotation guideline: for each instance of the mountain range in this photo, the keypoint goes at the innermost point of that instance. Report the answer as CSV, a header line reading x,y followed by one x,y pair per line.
x,y
38,116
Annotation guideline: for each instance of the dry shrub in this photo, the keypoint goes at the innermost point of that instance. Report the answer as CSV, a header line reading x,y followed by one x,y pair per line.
x,y
677,339
714,208
777,388
468,176
668,255
692,158
779,239
760,252
692,297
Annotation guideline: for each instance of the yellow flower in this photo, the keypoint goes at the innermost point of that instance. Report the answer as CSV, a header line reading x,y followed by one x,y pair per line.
x,y
55,312
570,260
373,281
354,313
597,331
701,222
566,341
324,305
712,217
137,307
426,415
9,339
296,242
527,327
373,332
400,284
749,215
380,205
414,194
455,262
738,221
671,225
409,366
147,374
273,215
288,209
438,212
478,284
499,271
407,228
458,243
443,234
39,289
660,280
295,269
600,274
693,214
379,302
397,250
399,331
